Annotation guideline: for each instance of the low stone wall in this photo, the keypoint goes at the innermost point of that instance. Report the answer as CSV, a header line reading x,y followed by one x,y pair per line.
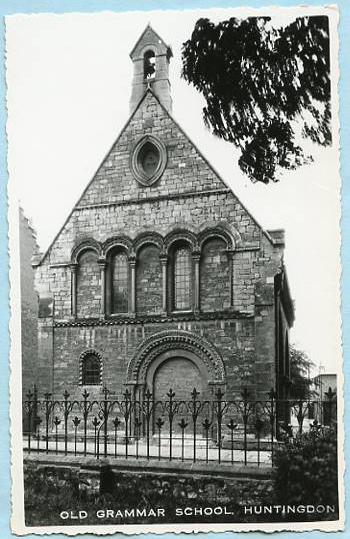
x,y
119,492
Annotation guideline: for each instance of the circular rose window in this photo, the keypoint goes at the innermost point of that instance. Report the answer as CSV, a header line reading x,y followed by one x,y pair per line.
x,y
148,160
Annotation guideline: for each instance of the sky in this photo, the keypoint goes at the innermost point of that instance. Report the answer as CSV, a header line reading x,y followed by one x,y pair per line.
x,y
69,83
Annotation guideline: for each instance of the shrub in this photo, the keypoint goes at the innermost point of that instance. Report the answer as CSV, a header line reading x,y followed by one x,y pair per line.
x,y
306,470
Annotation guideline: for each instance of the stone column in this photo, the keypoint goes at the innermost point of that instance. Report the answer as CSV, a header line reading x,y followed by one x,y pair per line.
x,y
164,262
74,270
230,263
196,256
132,265
102,264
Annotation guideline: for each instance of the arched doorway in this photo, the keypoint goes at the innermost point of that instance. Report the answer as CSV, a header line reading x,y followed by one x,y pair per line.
x,y
178,370
179,374
180,361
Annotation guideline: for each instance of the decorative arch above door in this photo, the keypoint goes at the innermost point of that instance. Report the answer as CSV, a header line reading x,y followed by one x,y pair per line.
x,y
181,352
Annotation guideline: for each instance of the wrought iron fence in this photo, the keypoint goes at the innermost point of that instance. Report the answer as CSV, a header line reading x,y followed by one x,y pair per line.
x,y
241,431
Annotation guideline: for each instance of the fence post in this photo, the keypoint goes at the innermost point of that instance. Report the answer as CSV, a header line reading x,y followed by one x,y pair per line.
x,y
138,424
148,396
30,407
219,394
105,417
245,396
194,396
127,418
35,408
206,425
66,414
231,425
76,422
272,396
171,395
85,417
116,423
56,422
159,423
95,423
182,426
47,418
258,426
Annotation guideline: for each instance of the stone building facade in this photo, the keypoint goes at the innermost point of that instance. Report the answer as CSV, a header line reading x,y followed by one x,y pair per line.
x,y
28,248
160,278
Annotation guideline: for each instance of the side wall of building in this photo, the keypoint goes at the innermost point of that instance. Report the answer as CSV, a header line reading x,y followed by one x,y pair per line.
x,y
29,304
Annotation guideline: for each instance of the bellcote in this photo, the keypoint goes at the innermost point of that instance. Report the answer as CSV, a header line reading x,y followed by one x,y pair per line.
x,y
151,57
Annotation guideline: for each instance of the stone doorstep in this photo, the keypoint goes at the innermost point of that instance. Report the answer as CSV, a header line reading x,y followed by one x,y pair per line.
x,y
212,469
238,441
90,435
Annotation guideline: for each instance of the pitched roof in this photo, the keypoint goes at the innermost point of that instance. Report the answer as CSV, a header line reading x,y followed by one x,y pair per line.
x,y
157,36
221,180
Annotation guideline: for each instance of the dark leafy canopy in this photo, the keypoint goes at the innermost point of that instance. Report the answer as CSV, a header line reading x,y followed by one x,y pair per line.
x,y
300,367
261,85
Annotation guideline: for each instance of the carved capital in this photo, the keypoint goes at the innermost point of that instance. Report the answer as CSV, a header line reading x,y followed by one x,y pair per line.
x,y
163,259
101,262
196,255
132,261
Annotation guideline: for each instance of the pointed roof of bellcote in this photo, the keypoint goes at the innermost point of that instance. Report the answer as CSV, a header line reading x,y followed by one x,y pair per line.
x,y
151,58
150,37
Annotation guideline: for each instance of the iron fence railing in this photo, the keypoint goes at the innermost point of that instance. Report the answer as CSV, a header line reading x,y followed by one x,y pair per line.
x,y
241,431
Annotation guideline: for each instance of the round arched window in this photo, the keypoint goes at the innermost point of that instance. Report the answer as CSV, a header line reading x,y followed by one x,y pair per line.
x,y
90,370
148,160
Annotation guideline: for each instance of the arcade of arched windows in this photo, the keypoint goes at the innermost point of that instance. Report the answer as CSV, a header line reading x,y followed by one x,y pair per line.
x,y
152,275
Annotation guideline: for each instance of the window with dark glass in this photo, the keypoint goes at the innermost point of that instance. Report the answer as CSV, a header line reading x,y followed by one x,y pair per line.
x,y
182,279
91,370
149,158
120,287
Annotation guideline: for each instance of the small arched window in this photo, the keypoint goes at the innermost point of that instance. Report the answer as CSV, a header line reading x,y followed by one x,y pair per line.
x,y
149,65
120,283
182,279
91,370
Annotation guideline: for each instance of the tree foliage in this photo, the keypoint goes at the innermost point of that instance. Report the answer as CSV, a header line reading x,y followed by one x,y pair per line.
x,y
263,87
306,471
300,367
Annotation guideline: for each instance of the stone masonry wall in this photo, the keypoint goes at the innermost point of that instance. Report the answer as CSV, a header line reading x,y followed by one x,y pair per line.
x,y
149,281
116,344
190,196
88,286
250,266
208,496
